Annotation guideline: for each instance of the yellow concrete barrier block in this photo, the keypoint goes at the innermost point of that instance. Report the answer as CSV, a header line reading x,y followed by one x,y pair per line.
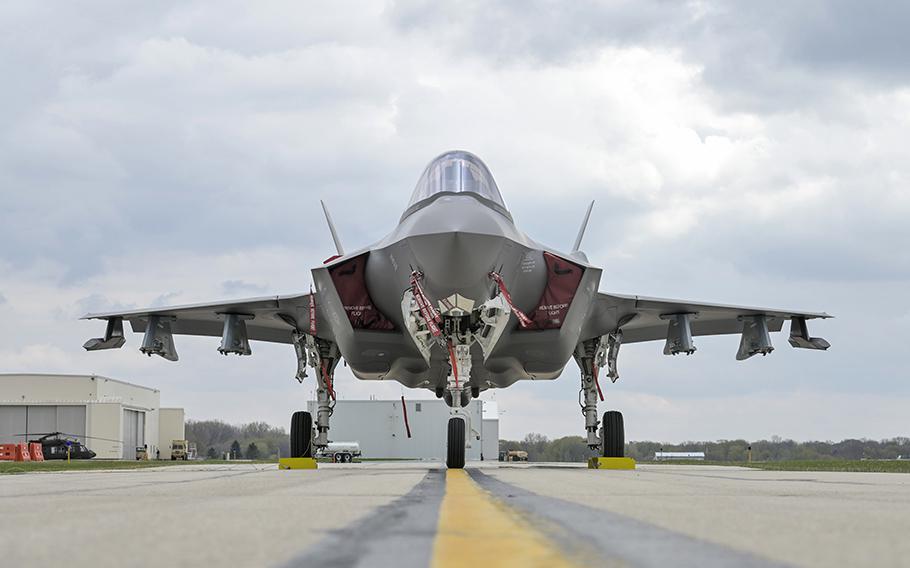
x,y
296,463
611,463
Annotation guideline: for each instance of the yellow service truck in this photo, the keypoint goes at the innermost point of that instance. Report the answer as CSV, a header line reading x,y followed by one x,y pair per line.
x,y
179,450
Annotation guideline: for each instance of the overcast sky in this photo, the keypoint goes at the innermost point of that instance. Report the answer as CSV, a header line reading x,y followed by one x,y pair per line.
x,y
756,153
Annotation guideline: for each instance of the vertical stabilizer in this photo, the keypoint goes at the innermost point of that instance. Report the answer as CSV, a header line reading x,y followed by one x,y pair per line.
x,y
328,219
581,230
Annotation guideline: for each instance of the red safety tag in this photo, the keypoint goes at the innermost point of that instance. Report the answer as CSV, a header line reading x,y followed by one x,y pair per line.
x,y
523,319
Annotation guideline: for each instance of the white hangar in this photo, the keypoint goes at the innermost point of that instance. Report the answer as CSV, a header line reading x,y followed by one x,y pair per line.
x,y
109,416
380,429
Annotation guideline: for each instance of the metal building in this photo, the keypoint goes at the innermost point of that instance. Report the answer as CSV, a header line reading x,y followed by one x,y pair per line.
x,y
379,427
110,417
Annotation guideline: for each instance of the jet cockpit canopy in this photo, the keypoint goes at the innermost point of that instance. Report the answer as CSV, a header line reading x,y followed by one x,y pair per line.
x,y
456,172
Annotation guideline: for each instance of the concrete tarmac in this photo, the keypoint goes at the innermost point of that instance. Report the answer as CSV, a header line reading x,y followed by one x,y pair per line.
x,y
417,514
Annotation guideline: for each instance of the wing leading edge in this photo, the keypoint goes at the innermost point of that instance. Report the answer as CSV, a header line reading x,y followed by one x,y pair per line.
x,y
274,319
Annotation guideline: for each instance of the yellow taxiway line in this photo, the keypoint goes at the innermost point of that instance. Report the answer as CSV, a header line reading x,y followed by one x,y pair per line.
x,y
476,530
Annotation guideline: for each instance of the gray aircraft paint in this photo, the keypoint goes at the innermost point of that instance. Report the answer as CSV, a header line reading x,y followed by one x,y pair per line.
x,y
456,239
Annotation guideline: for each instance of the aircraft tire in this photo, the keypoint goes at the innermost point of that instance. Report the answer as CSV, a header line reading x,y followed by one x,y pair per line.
x,y
614,441
301,435
455,452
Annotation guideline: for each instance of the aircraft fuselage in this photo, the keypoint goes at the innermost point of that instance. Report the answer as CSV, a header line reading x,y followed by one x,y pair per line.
x,y
456,241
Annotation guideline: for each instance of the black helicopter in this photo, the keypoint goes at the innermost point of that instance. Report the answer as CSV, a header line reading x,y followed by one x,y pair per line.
x,y
56,445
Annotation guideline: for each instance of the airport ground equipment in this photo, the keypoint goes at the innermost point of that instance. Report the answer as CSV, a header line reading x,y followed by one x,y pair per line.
x,y
179,450
340,452
21,452
457,300
297,463
611,463
142,453
36,451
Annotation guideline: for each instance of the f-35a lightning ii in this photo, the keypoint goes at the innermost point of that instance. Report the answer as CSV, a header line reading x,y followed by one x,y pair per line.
x,y
457,300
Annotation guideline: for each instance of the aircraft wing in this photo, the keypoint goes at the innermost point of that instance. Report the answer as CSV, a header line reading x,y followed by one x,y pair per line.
x,y
272,319
640,318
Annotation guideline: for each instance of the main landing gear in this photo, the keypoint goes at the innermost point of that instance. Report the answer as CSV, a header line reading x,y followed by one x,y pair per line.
x,y
322,356
614,439
301,435
590,355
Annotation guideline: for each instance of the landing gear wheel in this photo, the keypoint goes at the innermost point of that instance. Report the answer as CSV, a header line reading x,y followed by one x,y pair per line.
x,y
455,453
614,442
301,435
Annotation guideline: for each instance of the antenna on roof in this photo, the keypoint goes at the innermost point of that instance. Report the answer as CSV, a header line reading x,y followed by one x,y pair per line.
x,y
581,230
328,219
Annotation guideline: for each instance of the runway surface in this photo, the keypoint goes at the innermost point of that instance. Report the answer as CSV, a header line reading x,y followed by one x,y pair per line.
x,y
419,514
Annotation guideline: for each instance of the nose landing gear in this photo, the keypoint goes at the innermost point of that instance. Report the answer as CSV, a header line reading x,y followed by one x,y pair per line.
x,y
456,443
457,396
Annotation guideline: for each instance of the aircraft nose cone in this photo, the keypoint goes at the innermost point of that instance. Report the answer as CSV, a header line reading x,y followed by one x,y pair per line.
x,y
457,263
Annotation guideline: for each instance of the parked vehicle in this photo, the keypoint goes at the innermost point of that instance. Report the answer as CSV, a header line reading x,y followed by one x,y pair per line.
x,y
517,456
341,452
179,450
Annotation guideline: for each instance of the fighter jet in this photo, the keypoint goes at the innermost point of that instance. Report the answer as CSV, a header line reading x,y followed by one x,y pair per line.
x,y
457,300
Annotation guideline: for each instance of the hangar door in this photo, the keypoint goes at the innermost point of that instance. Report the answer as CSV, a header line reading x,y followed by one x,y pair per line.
x,y
133,432
12,422
36,421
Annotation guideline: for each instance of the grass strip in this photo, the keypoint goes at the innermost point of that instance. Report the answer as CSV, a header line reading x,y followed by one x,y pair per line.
x,y
7,467
875,466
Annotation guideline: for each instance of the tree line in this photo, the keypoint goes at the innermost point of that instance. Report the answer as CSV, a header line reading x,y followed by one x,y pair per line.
x,y
256,440
574,448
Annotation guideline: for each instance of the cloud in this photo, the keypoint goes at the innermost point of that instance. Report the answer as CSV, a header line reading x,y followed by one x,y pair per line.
x,y
237,287
759,55
752,155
